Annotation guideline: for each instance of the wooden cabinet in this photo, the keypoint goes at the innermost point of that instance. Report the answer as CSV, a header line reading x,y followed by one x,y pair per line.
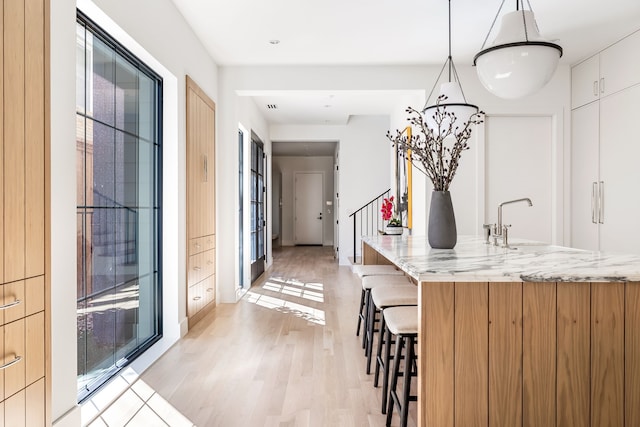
x,y
25,393
201,234
607,72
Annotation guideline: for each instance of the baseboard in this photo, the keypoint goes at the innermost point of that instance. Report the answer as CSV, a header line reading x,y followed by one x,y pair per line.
x,y
70,419
184,327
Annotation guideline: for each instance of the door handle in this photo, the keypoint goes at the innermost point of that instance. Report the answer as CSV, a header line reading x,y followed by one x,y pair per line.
x,y
594,196
601,203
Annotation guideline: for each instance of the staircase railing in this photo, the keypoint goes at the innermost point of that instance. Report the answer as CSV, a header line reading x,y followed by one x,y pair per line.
x,y
367,221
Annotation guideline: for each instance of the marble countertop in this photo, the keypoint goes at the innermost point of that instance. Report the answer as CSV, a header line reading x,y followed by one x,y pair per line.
x,y
474,261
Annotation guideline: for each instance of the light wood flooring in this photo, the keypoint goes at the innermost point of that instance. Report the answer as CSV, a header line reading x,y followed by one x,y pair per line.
x,y
286,355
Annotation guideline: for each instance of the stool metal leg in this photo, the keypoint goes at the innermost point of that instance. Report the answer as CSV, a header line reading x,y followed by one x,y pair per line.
x,y
360,312
385,368
406,389
373,311
381,342
394,379
367,297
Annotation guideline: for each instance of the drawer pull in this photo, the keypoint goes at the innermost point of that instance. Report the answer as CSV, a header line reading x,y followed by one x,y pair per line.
x,y
197,268
196,298
197,245
209,262
11,304
209,289
13,362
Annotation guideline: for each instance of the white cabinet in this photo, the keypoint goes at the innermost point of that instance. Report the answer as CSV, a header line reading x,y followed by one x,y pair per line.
x,y
585,177
607,72
605,154
620,171
585,82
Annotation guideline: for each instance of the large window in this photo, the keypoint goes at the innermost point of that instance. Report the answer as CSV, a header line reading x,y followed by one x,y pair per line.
x,y
118,146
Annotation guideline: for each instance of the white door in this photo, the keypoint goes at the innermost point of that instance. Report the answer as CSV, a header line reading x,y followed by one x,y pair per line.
x,y
308,208
336,207
519,163
584,176
619,171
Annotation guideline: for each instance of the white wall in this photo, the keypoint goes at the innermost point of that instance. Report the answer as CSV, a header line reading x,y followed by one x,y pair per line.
x,y
177,52
288,166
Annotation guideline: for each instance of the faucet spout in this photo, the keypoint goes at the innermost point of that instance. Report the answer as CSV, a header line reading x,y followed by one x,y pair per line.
x,y
524,199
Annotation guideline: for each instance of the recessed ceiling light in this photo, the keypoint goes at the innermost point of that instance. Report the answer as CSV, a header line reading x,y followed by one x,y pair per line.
x,y
327,106
274,41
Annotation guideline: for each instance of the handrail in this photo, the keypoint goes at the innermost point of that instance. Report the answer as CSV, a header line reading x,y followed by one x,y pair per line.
x,y
384,193
367,226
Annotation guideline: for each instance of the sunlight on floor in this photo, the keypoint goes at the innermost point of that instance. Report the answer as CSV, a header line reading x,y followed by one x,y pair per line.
x,y
129,401
291,287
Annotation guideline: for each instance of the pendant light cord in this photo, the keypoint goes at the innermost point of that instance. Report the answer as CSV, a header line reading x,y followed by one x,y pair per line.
x,y
524,21
492,25
450,59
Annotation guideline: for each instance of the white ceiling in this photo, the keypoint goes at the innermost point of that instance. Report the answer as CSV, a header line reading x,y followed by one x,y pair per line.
x,y
380,32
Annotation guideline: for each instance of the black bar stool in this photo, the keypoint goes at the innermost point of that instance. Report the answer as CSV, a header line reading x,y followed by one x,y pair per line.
x,y
380,298
403,323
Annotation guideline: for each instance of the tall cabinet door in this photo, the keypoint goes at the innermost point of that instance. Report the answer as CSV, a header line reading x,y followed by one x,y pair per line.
x,y
620,171
584,176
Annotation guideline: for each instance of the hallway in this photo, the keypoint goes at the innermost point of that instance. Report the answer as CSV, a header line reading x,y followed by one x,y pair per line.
x,y
286,355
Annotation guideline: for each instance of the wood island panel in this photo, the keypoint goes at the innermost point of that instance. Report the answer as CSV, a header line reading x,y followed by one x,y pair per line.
x,y
471,354
539,354
436,370
607,354
505,354
632,354
573,397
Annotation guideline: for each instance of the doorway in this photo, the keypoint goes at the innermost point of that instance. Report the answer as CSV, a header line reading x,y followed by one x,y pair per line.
x,y
308,209
258,222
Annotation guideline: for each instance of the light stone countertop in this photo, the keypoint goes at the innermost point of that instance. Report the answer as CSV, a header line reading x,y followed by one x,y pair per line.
x,y
474,261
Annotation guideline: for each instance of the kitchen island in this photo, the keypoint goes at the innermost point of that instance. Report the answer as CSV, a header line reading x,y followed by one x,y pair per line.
x,y
532,335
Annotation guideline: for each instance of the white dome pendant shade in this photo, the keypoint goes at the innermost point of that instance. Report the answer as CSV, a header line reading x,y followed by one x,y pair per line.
x,y
450,99
520,62
453,103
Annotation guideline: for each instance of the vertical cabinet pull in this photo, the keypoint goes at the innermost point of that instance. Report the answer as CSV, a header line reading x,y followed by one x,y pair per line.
x,y
602,85
206,169
601,203
594,197
595,88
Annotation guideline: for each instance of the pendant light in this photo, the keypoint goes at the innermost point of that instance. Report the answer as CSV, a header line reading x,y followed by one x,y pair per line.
x,y
520,61
451,98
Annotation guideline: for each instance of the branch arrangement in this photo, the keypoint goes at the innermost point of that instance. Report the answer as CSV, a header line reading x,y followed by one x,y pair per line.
x,y
436,152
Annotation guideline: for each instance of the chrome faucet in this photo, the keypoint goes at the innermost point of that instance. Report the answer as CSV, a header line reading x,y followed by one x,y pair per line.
x,y
500,231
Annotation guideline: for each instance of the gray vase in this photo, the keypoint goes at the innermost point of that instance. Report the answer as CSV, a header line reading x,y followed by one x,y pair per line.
x,y
442,221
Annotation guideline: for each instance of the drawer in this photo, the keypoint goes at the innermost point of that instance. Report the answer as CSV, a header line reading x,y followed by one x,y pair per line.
x,y
21,298
200,266
201,244
209,289
195,298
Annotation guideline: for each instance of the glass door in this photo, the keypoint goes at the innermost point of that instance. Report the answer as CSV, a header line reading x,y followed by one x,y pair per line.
x,y
258,222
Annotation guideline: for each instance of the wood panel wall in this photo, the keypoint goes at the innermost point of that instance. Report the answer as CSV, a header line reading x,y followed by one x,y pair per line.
x,y
24,214
529,354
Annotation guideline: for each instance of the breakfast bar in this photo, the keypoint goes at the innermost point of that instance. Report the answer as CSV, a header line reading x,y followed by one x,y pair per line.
x,y
529,335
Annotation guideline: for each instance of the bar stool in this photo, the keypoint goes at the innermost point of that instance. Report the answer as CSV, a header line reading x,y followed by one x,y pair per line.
x,y
383,297
403,323
367,271
371,282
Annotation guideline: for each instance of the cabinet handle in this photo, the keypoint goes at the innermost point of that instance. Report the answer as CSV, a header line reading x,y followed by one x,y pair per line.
x,y
209,289
197,298
11,304
13,362
602,85
594,192
197,245
206,169
209,262
197,268
601,203
595,88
